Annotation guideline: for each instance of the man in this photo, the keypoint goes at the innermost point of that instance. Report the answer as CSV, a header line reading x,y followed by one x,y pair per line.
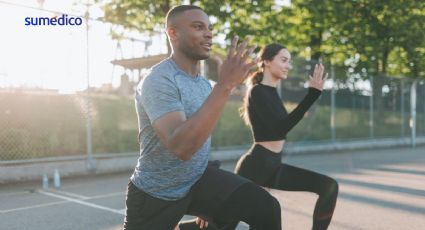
x,y
177,112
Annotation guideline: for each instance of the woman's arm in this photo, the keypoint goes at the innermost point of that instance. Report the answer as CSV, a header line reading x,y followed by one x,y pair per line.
x,y
271,116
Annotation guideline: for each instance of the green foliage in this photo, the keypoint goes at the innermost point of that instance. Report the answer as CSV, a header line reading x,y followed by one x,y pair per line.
x,y
374,29
361,35
141,15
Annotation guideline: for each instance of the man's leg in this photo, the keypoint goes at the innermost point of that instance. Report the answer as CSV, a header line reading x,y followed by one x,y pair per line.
x,y
145,212
251,204
227,198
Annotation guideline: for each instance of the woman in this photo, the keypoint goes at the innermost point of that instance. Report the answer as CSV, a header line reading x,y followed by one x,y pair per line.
x,y
269,121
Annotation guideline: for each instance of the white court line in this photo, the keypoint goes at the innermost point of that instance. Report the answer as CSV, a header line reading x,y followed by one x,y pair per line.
x,y
59,202
68,200
81,202
31,207
122,211
71,194
88,197
81,197
107,195
14,193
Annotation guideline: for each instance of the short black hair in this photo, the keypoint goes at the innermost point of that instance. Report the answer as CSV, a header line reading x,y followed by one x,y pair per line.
x,y
175,11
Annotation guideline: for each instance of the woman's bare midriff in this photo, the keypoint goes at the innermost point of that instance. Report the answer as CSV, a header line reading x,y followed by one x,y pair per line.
x,y
274,146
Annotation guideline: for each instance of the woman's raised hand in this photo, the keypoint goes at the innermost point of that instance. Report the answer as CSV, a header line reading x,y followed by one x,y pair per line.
x,y
318,78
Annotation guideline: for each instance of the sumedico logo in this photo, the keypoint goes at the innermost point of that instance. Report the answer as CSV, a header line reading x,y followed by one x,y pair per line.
x,y
63,20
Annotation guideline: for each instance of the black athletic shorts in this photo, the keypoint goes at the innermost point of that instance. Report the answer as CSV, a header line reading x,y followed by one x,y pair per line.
x,y
204,199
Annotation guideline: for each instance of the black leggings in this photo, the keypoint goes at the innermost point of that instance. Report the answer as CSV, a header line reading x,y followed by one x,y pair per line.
x,y
264,167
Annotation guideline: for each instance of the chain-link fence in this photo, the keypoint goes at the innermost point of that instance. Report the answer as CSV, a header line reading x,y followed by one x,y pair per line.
x,y
36,125
353,110
350,108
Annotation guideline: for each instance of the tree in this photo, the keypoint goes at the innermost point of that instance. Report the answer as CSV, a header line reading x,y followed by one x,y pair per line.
x,y
145,15
139,15
359,34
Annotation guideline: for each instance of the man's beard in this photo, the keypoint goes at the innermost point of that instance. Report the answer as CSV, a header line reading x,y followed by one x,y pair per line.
x,y
191,53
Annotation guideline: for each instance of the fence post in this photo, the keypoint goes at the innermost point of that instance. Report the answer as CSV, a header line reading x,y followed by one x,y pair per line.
x,y
402,108
371,124
90,164
413,112
333,134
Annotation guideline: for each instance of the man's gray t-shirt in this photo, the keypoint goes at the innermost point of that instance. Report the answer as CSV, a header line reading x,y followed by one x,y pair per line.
x,y
166,89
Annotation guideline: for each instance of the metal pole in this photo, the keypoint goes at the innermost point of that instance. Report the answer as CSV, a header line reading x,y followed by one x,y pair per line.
x,y
90,164
402,108
371,124
333,134
413,112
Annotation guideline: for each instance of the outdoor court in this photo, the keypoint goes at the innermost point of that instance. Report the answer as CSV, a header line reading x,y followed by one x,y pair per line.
x,y
379,189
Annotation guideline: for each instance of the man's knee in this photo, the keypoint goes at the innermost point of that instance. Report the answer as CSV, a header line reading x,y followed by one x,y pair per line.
x,y
265,206
267,212
270,205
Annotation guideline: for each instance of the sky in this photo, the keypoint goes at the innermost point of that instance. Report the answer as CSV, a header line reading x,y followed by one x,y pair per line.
x,y
55,57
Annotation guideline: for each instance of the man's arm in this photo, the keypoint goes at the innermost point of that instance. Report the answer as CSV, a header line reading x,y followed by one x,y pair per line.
x,y
183,136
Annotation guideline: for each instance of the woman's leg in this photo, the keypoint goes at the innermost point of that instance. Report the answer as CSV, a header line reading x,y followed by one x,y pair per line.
x,y
290,178
259,165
